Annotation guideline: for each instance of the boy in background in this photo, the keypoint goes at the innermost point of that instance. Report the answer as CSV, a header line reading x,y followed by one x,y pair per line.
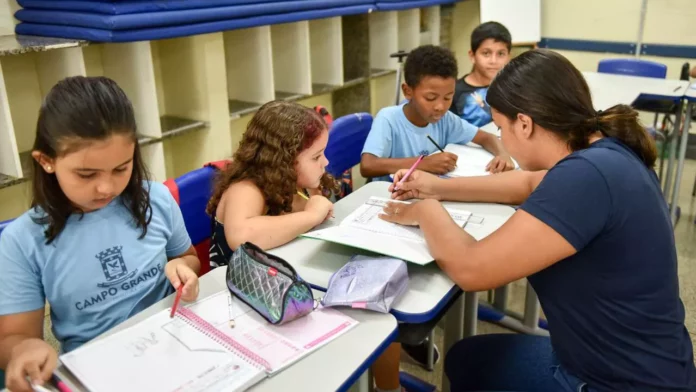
x,y
398,136
399,133
490,51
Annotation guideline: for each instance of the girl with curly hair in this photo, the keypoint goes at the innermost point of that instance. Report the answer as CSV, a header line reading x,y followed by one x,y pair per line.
x,y
276,188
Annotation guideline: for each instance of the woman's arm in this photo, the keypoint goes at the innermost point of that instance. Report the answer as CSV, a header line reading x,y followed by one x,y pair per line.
x,y
522,246
511,187
244,219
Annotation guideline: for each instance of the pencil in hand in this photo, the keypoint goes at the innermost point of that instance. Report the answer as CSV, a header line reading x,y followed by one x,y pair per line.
x,y
435,143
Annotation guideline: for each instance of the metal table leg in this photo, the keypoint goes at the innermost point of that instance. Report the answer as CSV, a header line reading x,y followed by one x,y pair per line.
x,y
680,163
532,309
470,313
454,330
672,152
500,298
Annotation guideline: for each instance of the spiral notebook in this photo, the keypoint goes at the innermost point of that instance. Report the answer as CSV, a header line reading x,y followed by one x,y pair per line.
x,y
216,344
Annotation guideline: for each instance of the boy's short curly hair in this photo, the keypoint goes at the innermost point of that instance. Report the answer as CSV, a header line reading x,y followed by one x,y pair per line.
x,y
429,60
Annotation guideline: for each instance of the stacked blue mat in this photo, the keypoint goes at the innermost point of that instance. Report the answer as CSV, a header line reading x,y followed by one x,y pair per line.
x,y
143,20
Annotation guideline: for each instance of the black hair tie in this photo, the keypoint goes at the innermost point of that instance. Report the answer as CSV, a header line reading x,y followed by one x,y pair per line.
x,y
598,113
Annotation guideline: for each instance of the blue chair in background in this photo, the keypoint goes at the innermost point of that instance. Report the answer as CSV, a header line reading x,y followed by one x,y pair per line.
x,y
4,224
647,69
192,191
346,141
634,67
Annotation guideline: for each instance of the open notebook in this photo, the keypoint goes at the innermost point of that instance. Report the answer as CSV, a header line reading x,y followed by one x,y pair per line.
x,y
200,349
364,229
472,160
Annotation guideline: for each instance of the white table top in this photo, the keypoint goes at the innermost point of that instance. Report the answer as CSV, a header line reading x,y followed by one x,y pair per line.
x,y
429,288
349,355
610,89
691,92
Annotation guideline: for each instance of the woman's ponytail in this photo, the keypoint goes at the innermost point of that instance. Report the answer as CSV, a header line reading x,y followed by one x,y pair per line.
x,y
621,122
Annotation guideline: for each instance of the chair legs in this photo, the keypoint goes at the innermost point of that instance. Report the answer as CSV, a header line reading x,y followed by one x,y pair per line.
x,y
431,350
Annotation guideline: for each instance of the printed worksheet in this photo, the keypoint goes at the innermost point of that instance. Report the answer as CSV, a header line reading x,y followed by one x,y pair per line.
x,y
364,229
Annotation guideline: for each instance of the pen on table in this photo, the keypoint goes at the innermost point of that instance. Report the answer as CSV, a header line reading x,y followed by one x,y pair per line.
x,y
408,173
677,89
435,143
177,299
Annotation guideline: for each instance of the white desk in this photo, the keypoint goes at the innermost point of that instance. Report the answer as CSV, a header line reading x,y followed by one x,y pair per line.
x,y
349,356
609,89
429,288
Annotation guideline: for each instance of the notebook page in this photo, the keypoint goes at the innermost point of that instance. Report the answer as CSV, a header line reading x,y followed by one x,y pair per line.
x,y
472,161
160,354
280,346
364,229
366,218
412,251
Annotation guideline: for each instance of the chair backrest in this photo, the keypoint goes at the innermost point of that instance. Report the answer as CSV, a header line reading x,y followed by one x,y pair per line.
x,y
346,141
4,224
685,72
192,191
634,67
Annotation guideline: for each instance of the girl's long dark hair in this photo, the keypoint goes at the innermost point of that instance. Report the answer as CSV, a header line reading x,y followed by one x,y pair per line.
x,y
79,110
545,86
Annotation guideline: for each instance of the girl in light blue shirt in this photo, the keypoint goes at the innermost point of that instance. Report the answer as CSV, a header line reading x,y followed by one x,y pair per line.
x,y
100,243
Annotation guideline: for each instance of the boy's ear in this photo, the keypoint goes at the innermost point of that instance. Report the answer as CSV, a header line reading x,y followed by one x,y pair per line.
x,y
46,162
471,56
407,90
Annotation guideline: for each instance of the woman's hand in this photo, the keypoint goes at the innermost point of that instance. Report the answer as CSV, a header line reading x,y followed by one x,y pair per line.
x,y
419,185
33,359
178,272
407,214
500,164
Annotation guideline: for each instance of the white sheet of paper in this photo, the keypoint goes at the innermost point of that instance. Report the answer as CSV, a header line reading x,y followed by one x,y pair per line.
x,y
471,161
364,229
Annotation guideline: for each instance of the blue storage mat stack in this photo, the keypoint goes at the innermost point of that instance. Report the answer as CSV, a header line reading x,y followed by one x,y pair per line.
x,y
398,5
127,21
141,20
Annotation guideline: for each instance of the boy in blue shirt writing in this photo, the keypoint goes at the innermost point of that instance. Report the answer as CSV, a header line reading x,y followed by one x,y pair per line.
x,y
399,133
490,51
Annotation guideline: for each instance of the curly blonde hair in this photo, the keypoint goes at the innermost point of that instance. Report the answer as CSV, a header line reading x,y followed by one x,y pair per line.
x,y
267,153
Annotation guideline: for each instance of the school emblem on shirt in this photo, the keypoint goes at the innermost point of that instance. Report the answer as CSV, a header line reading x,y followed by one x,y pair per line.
x,y
113,266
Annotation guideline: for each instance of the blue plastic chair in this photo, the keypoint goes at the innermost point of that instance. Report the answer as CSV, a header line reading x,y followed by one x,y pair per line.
x,y
634,67
346,141
4,224
648,69
192,191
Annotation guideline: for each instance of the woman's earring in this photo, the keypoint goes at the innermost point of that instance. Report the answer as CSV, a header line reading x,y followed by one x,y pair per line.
x,y
49,168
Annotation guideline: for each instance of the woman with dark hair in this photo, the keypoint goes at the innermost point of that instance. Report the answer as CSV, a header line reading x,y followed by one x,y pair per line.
x,y
593,236
100,243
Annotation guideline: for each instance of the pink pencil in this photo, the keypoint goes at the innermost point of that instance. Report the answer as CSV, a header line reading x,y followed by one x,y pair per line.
x,y
408,173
